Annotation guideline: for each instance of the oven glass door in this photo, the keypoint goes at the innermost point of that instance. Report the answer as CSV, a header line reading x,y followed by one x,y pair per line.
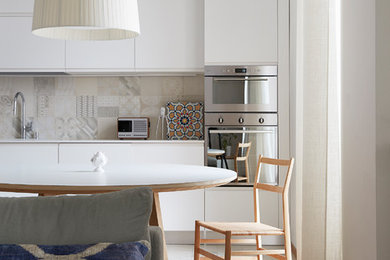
x,y
222,150
241,94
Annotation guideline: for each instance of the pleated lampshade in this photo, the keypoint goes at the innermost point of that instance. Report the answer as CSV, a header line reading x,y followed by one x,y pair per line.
x,y
86,19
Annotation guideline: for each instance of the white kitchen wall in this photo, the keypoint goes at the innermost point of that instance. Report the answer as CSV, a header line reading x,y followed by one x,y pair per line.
x,y
358,129
382,128
71,108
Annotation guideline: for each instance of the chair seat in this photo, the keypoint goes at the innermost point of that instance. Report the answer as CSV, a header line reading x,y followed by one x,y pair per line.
x,y
242,228
215,152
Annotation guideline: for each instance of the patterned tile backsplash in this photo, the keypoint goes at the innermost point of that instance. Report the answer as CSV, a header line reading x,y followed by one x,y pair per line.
x,y
80,108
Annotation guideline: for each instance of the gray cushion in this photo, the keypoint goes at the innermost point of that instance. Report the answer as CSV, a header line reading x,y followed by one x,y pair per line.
x,y
156,241
112,217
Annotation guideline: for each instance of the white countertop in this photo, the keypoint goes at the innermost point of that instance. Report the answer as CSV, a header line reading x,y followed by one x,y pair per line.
x,y
159,176
32,141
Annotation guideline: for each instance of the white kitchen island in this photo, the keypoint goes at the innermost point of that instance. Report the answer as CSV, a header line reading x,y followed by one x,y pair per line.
x,y
180,209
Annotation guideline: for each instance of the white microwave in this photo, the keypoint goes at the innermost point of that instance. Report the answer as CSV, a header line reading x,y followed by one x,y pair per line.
x,y
133,127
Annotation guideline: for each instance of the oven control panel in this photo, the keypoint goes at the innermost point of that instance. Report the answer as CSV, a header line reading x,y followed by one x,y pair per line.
x,y
243,119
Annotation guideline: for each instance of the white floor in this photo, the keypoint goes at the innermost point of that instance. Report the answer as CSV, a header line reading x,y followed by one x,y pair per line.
x,y
186,252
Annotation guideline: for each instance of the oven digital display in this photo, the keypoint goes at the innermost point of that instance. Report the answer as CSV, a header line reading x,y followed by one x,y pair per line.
x,y
125,126
240,70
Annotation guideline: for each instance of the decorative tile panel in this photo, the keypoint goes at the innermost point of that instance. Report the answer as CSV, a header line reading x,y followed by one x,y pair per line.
x,y
87,107
185,120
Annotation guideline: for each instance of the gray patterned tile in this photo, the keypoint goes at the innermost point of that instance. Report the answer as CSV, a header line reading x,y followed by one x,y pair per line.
x,y
108,111
7,129
129,86
5,88
192,98
45,106
5,106
65,106
193,86
85,86
108,101
150,106
108,86
44,86
64,86
22,84
86,106
46,128
151,86
172,86
107,128
76,128
130,106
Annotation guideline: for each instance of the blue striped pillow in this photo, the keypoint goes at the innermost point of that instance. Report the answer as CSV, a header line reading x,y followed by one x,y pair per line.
x,y
100,251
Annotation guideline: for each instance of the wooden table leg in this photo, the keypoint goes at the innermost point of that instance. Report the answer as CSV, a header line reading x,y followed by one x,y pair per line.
x,y
156,220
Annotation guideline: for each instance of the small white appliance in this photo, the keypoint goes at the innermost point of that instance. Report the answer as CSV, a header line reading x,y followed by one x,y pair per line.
x,y
133,127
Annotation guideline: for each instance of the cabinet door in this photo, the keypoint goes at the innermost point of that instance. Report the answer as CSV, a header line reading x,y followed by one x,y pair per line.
x,y
134,153
240,31
27,154
20,50
82,153
171,35
16,6
105,56
180,209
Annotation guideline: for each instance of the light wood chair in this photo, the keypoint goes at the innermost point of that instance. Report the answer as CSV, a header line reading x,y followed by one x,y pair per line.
x,y
256,228
243,158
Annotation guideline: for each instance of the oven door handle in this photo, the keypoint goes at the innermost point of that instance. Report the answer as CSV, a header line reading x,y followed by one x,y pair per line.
x,y
240,79
240,131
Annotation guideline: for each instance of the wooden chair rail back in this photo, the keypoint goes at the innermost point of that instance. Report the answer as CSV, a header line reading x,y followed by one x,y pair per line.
x,y
243,146
276,162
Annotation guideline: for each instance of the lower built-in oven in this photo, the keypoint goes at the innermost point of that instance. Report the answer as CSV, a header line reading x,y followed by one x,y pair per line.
x,y
241,89
257,132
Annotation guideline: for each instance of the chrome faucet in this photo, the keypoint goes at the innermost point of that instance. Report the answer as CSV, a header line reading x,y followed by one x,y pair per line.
x,y
23,114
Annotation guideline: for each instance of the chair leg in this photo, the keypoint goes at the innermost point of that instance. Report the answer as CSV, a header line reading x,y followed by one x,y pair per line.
x,y
224,159
247,170
235,168
258,246
228,245
197,240
287,246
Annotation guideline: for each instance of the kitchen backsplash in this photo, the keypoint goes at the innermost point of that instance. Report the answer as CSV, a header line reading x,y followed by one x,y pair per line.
x,y
79,108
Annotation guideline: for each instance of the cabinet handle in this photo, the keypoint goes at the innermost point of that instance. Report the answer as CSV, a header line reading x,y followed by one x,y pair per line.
x,y
240,79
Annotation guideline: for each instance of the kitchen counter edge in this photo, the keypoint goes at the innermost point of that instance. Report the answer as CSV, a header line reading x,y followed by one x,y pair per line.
x,y
101,142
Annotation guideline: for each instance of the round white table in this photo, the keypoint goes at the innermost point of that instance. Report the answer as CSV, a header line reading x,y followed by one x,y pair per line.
x,y
48,180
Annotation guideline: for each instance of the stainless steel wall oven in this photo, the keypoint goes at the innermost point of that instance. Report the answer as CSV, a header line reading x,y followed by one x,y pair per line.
x,y
241,107
241,89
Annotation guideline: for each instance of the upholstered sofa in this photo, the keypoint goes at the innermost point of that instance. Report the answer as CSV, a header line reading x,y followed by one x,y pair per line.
x,y
85,219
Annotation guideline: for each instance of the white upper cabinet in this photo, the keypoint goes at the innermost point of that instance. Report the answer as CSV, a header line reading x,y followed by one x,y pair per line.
x,y
241,32
20,50
16,6
100,56
171,36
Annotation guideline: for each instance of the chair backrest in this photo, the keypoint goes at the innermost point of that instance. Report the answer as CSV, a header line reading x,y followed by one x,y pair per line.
x,y
247,146
279,189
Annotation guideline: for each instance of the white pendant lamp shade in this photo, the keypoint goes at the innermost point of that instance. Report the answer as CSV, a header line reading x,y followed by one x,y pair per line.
x,y
86,19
